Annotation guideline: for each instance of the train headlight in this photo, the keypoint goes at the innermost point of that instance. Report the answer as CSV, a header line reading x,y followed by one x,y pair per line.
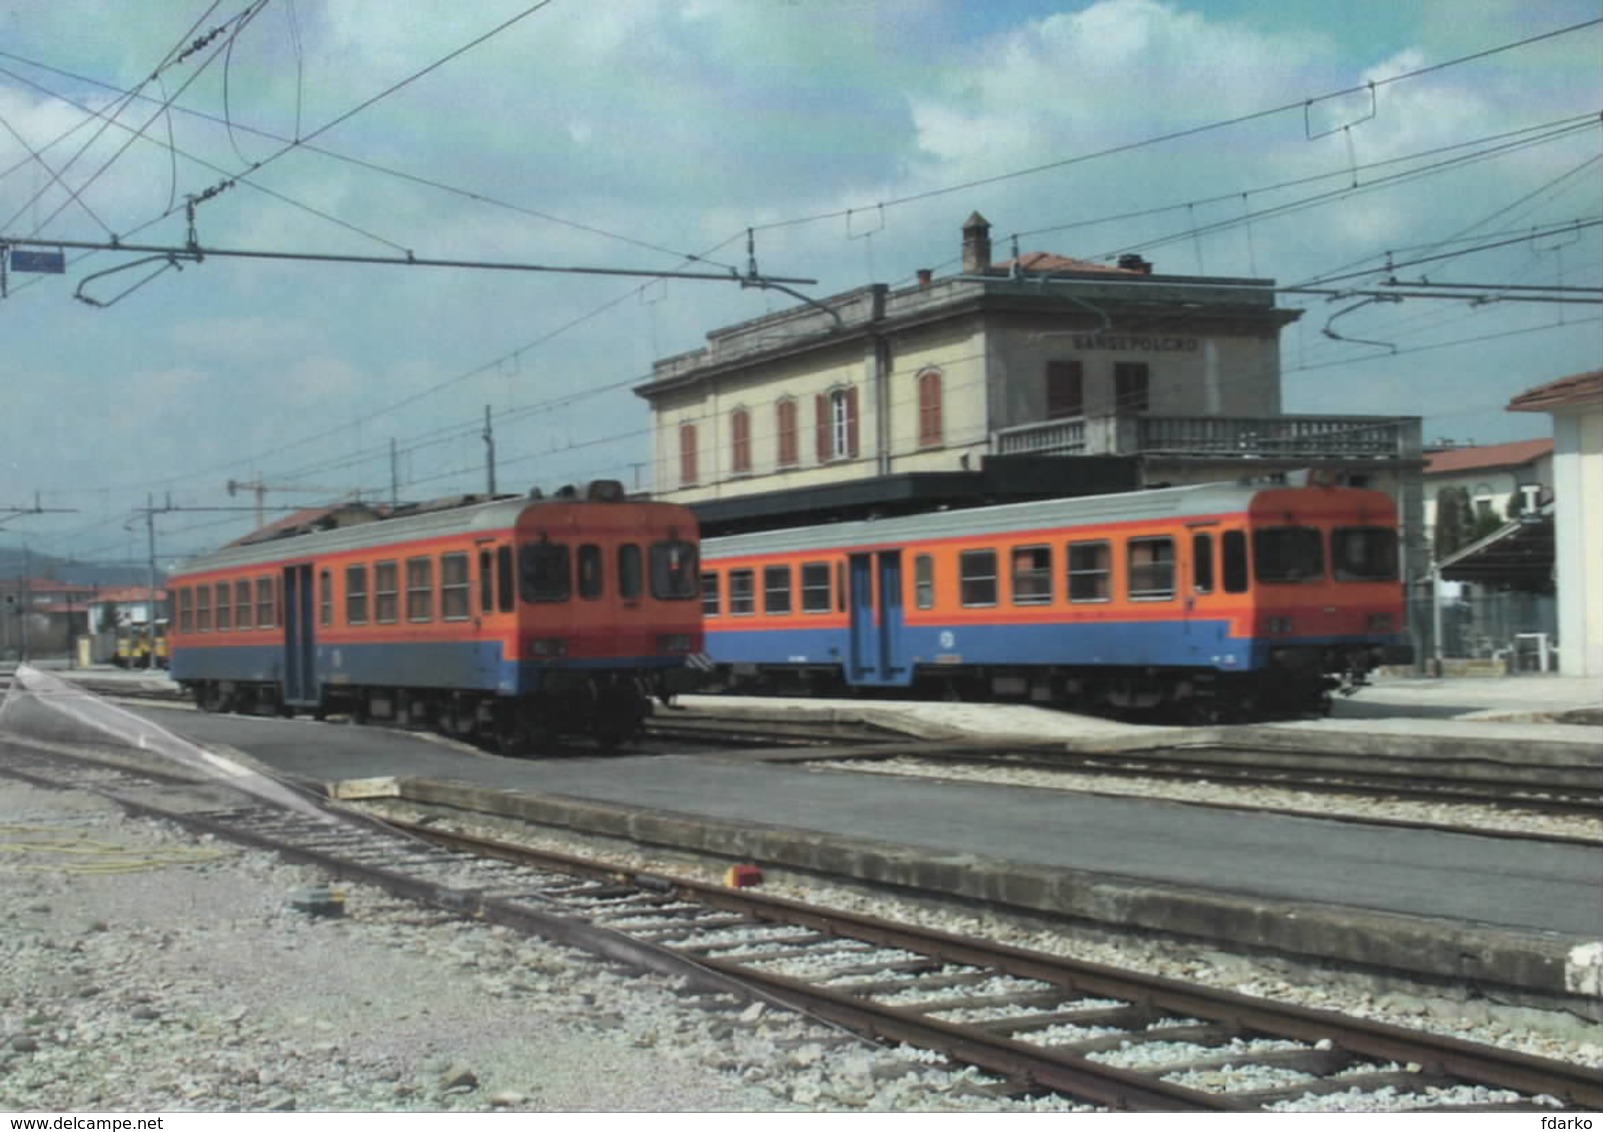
x,y
673,642
545,648
1380,623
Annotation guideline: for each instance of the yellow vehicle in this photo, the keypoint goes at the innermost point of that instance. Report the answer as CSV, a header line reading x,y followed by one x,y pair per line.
x,y
133,647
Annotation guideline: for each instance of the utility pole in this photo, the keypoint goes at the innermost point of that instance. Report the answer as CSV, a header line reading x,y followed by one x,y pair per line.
x,y
489,451
26,599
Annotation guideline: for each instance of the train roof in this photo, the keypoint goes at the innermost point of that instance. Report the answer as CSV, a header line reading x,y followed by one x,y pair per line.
x,y
1155,503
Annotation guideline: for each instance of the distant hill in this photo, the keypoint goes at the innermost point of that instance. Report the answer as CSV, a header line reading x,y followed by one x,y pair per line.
x,y
70,570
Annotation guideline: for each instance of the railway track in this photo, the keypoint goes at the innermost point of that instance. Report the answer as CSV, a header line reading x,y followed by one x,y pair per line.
x,y
1037,1023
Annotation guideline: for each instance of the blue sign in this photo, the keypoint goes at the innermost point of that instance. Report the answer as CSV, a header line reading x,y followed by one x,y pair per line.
x,y
51,263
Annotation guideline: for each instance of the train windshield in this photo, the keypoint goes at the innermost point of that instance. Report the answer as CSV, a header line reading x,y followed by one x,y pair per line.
x,y
675,572
1288,554
1364,554
545,572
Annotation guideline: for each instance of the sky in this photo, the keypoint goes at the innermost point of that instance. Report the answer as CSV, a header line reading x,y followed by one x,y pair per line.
x,y
850,137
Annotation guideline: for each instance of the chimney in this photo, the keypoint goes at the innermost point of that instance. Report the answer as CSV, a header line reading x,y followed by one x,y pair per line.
x,y
976,245
924,277
1132,262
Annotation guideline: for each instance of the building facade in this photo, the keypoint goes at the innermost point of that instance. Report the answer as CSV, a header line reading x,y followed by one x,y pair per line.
x,y
934,377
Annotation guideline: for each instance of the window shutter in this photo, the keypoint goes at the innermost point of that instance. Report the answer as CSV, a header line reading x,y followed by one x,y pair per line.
x,y
851,421
821,433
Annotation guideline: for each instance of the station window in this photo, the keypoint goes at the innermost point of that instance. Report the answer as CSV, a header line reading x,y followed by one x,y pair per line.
x,y
186,610
815,587
977,577
1202,563
545,571
203,609
486,581
242,605
386,594
629,572
742,600
776,590
1090,567
225,606
356,595
1151,565
1032,575
590,571
456,598
419,589
1130,387
325,598
266,603
924,581
505,592
1233,549
709,594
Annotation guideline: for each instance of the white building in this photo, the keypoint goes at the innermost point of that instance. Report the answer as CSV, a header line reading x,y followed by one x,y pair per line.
x,y
1576,405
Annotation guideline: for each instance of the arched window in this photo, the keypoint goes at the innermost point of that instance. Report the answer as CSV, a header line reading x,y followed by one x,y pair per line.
x,y
837,425
929,409
740,442
687,455
785,428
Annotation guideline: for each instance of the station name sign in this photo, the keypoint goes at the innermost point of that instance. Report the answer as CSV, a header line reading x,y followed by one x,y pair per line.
x,y
1149,343
51,263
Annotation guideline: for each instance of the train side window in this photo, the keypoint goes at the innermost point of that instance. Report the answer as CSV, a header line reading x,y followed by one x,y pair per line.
x,y
1202,563
386,594
1032,575
456,602
742,600
545,571
242,605
977,577
1151,563
1233,548
356,595
186,610
203,609
776,590
629,572
486,582
709,594
266,603
419,589
325,598
225,606
924,581
1090,570
590,571
815,587
505,593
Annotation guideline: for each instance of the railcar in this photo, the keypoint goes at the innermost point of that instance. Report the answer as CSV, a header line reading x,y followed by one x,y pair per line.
x,y
1215,600
503,621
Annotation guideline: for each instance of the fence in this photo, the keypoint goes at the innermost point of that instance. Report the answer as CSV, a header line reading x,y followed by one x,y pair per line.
x,y
1520,630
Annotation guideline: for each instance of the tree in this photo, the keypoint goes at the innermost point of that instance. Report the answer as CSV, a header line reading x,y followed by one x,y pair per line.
x,y
1455,520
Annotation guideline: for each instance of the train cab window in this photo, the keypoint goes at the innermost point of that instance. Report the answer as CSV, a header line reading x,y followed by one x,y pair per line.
x,y
675,569
225,606
203,609
1288,554
545,571
1233,549
505,592
456,600
589,571
266,603
742,600
186,610
242,605
1364,554
386,594
776,590
709,594
1202,563
1090,571
356,595
815,587
977,577
629,572
924,581
1151,564
486,582
419,589
1032,575
325,598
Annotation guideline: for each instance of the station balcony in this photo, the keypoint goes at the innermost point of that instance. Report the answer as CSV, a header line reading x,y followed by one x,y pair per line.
x,y
1280,438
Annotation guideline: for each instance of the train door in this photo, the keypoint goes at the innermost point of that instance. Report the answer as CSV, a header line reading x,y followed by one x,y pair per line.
x,y
877,653
300,673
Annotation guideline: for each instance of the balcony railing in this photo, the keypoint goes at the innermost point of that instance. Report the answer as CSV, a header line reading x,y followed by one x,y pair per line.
x,y
1064,437
1297,438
